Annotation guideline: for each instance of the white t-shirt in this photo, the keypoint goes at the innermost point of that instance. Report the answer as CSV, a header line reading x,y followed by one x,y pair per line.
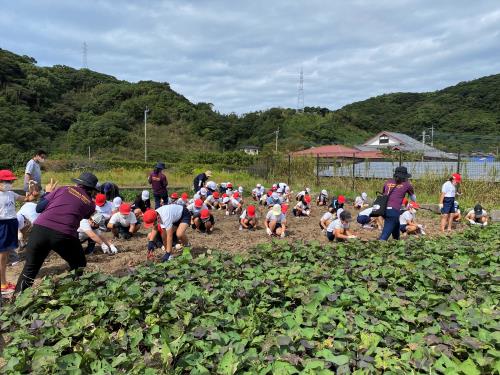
x,y
124,221
169,215
448,189
366,212
327,216
105,210
302,206
484,213
272,217
85,227
211,200
28,210
180,202
196,211
336,224
8,205
235,202
405,217
244,215
359,201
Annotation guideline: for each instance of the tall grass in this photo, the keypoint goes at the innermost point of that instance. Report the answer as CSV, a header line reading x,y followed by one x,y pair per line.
x,y
302,174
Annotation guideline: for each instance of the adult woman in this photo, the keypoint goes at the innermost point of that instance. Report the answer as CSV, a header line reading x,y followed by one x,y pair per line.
x,y
447,200
396,189
61,211
159,184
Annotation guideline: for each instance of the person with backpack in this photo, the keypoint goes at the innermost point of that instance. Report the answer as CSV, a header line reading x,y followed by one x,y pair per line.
x,y
159,184
395,189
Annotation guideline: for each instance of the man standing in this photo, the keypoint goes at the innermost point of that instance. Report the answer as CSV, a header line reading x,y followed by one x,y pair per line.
x,y
61,211
33,171
200,180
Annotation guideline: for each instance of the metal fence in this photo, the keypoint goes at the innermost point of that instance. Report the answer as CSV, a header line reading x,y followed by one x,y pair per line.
x,y
310,169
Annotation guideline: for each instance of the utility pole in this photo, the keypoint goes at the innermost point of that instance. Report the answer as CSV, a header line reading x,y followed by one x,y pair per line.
x,y
432,135
84,56
423,137
300,95
145,135
276,145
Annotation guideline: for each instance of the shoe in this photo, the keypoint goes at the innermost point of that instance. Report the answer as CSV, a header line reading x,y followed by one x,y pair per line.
x,y
241,227
7,289
167,257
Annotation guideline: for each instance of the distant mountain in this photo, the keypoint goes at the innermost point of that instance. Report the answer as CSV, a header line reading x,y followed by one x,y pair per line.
x,y
66,111
465,116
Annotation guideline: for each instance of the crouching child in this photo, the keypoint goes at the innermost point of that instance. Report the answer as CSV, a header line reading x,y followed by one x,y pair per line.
x,y
275,222
123,223
248,220
90,232
338,229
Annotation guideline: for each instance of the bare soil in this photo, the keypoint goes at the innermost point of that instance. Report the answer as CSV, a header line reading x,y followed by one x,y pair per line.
x,y
225,237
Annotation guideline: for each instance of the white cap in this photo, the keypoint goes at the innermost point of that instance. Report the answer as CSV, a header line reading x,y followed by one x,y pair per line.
x,y
145,195
259,186
117,202
324,192
308,190
203,191
196,196
240,189
276,209
364,195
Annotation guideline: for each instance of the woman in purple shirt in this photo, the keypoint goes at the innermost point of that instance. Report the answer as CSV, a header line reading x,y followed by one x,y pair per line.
x,y
159,184
61,211
396,188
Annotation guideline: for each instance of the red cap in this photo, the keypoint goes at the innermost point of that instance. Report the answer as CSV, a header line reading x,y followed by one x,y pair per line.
x,y
405,201
274,188
251,211
269,193
224,195
204,214
229,185
457,177
414,205
6,175
184,196
216,194
100,200
125,208
149,218
284,208
341,199
174,195
236,195
307,198
198,203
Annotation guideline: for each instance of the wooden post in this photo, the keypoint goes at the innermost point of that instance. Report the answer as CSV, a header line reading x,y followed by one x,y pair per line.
x,y
289,170
458,161
353,169
317,169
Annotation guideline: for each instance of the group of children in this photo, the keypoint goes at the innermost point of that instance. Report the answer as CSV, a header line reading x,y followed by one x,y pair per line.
x,y
173,214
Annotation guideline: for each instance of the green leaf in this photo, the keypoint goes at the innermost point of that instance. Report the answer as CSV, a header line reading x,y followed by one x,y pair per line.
x,y
228,364
339,360
468,367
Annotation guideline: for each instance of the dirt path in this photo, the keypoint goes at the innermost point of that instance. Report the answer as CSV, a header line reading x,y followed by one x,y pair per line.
x,y
226,237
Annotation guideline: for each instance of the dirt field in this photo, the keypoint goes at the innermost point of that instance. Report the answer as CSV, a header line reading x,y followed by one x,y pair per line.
x,y
226,237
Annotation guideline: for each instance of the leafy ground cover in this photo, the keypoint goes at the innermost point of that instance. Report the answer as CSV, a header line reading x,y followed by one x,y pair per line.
x,y
419,306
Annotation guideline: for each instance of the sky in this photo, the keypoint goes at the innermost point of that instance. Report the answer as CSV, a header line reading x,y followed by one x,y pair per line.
x,y
245,56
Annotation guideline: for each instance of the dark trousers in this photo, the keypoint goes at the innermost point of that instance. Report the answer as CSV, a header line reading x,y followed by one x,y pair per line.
x,y
391,225
159,197
42,240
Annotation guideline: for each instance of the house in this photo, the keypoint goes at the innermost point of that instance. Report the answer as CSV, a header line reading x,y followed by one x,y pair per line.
x,y
250,150
403,142
338,151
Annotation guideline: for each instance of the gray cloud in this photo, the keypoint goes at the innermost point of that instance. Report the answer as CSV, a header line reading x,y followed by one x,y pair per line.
x,y
246,56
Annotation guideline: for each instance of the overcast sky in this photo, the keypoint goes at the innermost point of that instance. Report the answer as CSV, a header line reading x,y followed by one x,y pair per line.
x,y
245,56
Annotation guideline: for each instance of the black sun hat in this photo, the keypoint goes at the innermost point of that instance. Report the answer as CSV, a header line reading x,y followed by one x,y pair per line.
x,y
87,179
401,172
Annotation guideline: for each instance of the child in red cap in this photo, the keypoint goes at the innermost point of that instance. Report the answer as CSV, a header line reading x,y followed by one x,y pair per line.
x,y
8,226
303,207
213,201
206,221
248,220
123,224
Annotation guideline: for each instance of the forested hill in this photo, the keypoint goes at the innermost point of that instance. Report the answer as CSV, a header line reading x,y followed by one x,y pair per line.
x,y
66,110
466,115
